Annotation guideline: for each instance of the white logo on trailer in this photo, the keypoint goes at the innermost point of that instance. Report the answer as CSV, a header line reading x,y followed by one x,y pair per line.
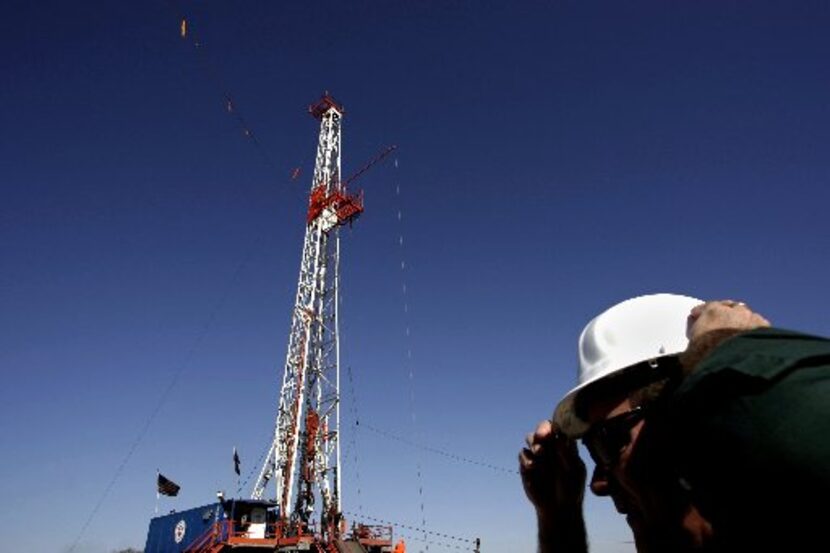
x,y
178,532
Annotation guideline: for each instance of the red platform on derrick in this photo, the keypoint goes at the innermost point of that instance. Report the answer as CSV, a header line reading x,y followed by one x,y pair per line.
x,y
323,105
346,206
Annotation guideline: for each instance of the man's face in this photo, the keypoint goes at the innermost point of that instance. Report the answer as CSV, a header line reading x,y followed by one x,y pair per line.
x,y
632,469
612,478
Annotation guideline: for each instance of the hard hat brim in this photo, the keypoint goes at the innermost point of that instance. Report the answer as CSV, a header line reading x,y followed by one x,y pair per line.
x,y
565,417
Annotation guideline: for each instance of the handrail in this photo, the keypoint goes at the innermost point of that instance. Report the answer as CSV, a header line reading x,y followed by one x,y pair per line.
x,y
223,531
206,539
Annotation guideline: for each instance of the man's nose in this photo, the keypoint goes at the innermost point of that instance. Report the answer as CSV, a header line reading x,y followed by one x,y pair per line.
x,y
599,481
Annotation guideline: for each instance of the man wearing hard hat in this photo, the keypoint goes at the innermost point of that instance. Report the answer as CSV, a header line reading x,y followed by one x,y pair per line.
x,y
628,356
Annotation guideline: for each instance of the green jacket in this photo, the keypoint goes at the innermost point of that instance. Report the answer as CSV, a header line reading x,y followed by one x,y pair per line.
x,y
751,433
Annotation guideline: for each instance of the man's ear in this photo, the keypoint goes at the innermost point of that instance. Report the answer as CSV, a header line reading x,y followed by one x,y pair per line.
x,y
652,458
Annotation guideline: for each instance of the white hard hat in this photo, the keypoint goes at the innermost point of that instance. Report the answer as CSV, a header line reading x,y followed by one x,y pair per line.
x,y
640,329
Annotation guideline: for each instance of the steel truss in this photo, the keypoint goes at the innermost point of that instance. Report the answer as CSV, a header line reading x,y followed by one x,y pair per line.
x,y
304,458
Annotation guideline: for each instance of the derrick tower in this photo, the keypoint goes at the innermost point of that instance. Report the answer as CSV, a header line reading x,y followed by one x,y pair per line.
x,y
295,503
303,463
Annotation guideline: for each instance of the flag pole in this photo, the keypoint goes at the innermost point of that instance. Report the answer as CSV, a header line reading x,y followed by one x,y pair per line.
x,y
158,472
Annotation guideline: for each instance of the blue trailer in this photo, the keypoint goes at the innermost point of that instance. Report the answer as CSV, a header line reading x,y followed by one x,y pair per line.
x,y
240,522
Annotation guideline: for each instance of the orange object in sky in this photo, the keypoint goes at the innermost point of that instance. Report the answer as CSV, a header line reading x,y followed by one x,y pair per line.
x,y
400,547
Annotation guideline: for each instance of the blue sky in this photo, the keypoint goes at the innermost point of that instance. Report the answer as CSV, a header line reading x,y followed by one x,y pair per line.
x,y
554,158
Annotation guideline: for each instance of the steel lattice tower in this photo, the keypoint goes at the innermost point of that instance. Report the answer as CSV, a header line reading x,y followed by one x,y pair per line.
x,y
304,458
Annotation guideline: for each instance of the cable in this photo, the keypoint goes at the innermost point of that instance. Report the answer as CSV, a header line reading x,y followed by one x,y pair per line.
x,y
438,543
354,439
212,73
438,451
258,463
248,133
200,337
414,529
408,362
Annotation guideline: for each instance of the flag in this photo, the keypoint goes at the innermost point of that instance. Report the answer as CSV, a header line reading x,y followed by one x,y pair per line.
x,y
235,462
167,487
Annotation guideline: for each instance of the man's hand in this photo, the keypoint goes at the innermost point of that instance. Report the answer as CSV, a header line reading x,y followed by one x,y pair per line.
x,y
552,472
722,315
554,480
711,323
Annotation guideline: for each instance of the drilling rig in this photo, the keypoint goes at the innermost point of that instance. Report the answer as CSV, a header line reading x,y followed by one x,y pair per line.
x,y
302,466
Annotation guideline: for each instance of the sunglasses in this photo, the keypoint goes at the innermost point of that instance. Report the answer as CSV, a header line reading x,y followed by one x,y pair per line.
x,y
606,440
